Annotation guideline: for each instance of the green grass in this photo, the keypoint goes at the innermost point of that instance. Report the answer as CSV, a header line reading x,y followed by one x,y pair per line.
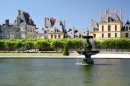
x,y
34,54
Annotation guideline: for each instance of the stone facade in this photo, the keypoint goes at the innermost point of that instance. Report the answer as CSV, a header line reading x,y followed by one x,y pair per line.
x,y
22,28
51,30
110,26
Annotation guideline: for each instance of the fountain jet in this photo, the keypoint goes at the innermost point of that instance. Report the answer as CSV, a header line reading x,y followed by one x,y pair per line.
x,y
88,49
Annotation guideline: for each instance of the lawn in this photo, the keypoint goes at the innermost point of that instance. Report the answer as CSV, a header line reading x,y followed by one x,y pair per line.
x,y
35,54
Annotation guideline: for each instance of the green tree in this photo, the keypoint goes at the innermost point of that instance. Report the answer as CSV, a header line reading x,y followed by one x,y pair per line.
x,y
2,43
65,52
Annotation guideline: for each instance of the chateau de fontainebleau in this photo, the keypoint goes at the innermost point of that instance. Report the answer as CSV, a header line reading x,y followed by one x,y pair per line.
x,y
109,26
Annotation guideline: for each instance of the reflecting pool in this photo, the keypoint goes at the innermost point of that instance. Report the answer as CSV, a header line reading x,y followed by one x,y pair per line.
x,y
64,72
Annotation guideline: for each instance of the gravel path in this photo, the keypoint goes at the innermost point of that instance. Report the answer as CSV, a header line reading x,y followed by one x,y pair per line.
x,y
76,56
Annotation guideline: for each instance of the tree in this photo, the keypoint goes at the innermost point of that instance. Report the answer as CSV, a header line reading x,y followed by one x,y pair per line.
x,y
65,52
2,43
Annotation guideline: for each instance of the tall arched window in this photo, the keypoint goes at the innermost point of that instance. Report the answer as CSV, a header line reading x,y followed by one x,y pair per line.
x,y
102,28
109,27
8,35
126,28
115,27
109,35
102,35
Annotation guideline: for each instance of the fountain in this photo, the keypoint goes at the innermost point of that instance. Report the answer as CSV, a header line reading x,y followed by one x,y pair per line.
x,y
88,49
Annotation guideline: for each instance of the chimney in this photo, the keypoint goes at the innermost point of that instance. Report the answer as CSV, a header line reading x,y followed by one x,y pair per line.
x,y
105,11
7,22
64,25
51,18
100,15
115,10
19,12
73,32
54,20
45,22
120,14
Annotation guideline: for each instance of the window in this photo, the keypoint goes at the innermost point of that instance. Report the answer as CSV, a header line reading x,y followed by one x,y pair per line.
x,y
94,29
51,36
102,28
79,35
30,29
126,28
8,35
74,36
59,36
109,27
115,35
115,27
109,35
109,19
102,35
94,35
55,30
66,36
126,35
55,36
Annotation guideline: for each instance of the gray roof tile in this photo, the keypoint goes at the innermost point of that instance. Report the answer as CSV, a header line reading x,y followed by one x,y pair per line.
x,y
113,15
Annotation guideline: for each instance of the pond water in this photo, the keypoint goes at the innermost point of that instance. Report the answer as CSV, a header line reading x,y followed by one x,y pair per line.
x,y
64,72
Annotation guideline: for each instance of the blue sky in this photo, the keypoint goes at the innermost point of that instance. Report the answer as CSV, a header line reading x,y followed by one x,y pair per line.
x,y
76,13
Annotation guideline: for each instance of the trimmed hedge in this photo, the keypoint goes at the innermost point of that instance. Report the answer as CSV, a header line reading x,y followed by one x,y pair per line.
x,y
65,52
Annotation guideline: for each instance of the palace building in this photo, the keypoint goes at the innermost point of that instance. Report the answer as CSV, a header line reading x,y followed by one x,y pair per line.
x,y
22,28
110,26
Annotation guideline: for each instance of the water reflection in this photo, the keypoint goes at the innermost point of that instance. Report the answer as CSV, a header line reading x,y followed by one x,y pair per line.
x,y
64,72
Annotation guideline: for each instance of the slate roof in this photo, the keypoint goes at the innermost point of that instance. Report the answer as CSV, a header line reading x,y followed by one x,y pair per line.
x,y
77,31
113,15
25,17
48,24
57,25
128,22
40,31
10,25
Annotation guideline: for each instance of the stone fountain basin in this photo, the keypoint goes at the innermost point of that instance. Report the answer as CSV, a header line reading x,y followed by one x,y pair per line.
x,y
88,52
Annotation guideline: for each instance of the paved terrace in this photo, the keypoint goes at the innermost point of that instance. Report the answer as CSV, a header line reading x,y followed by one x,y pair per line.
x,y
76,55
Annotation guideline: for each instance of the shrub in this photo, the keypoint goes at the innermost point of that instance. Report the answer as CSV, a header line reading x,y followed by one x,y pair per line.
x,y
65,52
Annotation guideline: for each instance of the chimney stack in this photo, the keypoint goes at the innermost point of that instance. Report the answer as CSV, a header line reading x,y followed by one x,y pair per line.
x,y
105,11
19,12
100,15
7,22
54,20
120,14
115,10
45,22
64,25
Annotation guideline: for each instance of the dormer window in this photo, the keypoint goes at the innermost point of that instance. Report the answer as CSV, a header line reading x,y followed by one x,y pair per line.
x,y
109,19
126,28
80,35
55,30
